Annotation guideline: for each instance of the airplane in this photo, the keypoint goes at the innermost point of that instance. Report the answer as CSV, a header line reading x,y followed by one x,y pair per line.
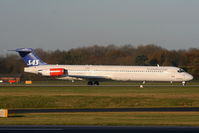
x,y
97,73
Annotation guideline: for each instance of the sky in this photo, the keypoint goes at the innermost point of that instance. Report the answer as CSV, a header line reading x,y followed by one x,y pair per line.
x,y
66,24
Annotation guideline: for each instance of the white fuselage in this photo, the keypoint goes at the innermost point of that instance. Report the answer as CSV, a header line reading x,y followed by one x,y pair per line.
x,y
124,73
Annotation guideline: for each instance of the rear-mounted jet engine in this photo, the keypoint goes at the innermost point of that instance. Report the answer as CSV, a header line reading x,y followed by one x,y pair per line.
x,y
53,72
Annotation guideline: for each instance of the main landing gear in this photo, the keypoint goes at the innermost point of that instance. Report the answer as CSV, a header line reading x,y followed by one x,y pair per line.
x,y
93,83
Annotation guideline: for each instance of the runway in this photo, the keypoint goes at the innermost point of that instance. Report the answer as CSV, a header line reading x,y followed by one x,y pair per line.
x,y
97,129
182,109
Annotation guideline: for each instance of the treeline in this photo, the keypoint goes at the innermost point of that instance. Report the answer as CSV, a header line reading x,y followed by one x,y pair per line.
x,y
146,55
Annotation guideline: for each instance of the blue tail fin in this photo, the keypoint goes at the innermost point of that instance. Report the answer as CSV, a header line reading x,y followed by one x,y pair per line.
x,y
29,57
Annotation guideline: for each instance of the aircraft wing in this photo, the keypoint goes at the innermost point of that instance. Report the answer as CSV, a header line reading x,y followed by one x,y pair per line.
x,y
98,78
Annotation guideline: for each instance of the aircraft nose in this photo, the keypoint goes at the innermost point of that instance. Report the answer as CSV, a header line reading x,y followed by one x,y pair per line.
x,y
189,77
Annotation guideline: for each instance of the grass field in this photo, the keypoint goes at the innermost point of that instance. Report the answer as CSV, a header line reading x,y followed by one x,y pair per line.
x,y
100,97
105,118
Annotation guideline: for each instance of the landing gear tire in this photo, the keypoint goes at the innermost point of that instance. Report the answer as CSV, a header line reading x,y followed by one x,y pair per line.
x,y
90,83
93,83
96,83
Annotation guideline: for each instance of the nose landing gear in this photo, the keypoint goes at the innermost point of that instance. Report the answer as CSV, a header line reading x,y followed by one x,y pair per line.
x,y
183,83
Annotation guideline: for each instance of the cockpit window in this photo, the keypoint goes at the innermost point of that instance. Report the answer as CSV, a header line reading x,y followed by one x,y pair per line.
x,y
181,70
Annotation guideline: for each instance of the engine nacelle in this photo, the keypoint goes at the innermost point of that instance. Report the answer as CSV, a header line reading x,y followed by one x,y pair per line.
x,y
53,72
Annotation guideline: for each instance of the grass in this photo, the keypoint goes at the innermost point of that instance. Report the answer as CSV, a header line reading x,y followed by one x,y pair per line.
x,y
98,97
105,118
